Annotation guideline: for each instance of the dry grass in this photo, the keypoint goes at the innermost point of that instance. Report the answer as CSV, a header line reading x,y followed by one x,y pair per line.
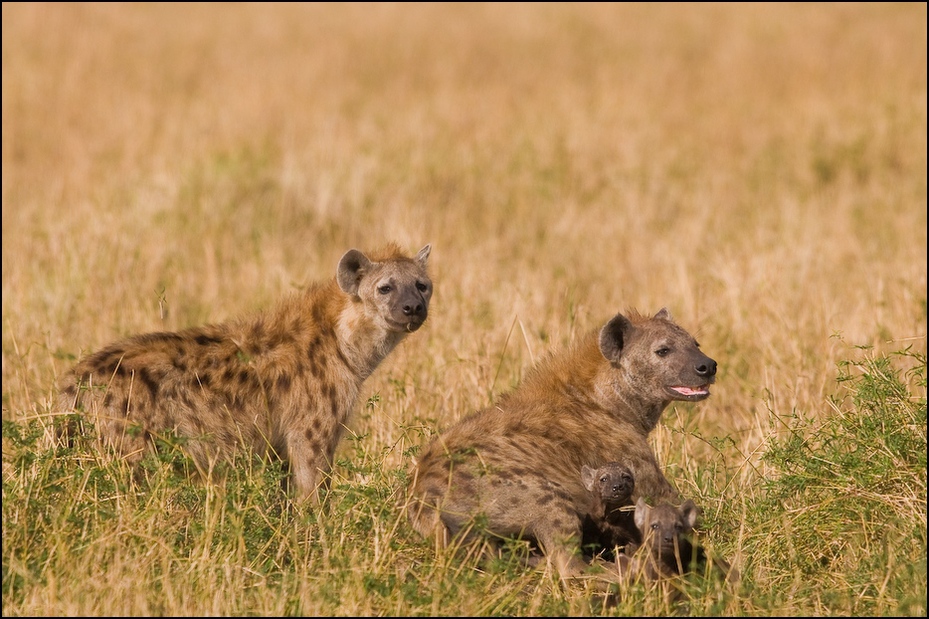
x,y
758,169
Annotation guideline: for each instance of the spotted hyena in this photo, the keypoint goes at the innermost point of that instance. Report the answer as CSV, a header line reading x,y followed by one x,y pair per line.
x,y
666,548
593,404
281,383
610,526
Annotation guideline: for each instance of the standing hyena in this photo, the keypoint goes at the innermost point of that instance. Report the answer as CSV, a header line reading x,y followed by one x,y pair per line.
x,y
512,468
283,382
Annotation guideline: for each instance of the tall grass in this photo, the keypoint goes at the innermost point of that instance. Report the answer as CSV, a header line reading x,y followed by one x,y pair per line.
x,y
758,169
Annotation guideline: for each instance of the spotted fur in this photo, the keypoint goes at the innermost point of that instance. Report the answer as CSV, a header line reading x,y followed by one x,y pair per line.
x,y
512,469
282,382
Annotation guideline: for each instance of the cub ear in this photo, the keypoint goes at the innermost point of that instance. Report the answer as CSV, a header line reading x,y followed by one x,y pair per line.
x,y
664,314
641,513
423,254
588,476
613,337
690,512
351,267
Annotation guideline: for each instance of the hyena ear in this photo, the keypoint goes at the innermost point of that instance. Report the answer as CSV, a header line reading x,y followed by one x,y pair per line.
x,y
690,511
351,267
588,476
641,513
423,254
613,337
664,314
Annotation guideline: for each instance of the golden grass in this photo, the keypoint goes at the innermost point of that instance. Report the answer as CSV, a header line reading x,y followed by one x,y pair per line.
x,y
758,169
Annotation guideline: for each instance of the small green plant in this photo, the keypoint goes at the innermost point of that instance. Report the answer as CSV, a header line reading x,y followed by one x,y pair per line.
x,y
841,517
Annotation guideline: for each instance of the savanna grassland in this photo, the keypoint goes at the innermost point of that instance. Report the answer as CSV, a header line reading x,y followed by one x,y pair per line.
x,y
759,170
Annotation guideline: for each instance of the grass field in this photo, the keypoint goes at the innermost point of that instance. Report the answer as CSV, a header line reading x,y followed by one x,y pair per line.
x,y
758,169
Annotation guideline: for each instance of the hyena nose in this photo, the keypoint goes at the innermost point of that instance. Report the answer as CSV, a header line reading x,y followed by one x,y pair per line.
x,y
707,368
412,309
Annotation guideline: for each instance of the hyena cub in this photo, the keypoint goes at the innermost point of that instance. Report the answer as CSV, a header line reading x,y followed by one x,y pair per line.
x,y
280,383
667,547
596,403
610,526
665,529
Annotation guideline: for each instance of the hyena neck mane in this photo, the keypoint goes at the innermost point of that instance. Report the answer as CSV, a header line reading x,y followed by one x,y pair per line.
x,y
584,379
363,342
328,312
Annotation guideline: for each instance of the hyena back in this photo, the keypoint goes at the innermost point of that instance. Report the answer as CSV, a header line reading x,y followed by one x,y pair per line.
x,y
513,467
283,382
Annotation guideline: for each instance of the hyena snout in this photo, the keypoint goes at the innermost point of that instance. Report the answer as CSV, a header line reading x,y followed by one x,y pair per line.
x,y
706,368
621,485
692,381
412,309
415,309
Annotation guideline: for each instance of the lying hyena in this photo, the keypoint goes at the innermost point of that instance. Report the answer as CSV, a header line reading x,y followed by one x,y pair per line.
x,y
283,382
512,468
609,528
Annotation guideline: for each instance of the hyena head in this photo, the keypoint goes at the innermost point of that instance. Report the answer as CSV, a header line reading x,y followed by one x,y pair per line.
x,y
395,290
664,527
613,483
660,360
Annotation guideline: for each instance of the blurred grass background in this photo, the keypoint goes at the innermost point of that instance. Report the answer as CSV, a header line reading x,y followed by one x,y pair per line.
x,y
759,169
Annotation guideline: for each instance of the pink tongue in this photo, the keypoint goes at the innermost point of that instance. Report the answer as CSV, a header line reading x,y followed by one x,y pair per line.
x,y
689,391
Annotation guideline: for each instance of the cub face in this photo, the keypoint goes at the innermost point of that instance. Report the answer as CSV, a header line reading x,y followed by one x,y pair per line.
x,y
664,525
613,483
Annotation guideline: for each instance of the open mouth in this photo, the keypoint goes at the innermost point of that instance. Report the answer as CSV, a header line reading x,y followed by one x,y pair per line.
x,y
693,392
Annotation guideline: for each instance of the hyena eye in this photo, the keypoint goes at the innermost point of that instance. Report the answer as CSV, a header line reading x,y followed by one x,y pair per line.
x,y
421,287
663,351
384,289
654,526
